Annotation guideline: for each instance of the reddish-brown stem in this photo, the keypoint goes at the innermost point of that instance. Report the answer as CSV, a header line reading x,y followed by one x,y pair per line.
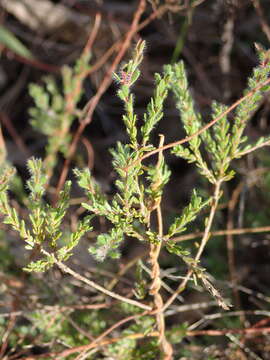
x,y
250,331
230,245
204,128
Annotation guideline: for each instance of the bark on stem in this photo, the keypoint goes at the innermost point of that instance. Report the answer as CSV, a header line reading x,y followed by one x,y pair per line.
x,y
165,347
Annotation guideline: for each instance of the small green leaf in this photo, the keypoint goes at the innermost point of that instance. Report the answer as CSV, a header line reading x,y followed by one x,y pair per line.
x,y
8,39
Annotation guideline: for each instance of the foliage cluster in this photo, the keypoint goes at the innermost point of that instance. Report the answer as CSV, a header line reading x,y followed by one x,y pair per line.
x,y
130,213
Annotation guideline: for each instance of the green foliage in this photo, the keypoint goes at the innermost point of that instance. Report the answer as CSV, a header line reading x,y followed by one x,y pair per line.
x,y
128,75
5,255
155,108
43,230
157,176
134,202
249,105
127,348
8,39
130,212
222,141
139,187
140,288
188,215
177,333
55,110
191,120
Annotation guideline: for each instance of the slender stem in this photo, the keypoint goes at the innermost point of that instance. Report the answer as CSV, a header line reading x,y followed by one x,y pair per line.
x,y
115,326
210,220
114,295
262,19
251,331
71,103
207,126
204,241
231,248
123,270
81,348
165,346
240,231
248,151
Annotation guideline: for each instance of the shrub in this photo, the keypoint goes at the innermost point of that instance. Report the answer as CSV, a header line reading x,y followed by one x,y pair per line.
x,y
132,210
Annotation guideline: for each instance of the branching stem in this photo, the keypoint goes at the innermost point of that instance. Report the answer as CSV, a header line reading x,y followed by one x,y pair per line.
x,y
207,126
155,248
205,238
114,295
